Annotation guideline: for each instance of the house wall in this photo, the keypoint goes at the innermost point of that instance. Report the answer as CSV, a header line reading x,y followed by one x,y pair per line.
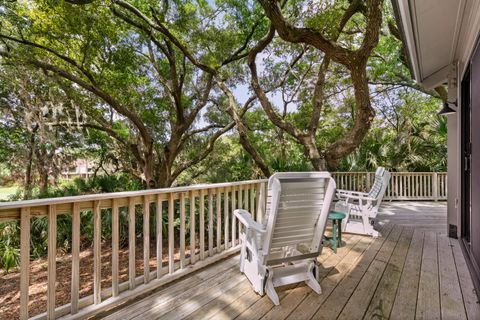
x,y
453,171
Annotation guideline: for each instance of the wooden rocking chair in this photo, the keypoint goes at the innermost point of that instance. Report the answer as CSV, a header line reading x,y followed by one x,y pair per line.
x,y
362,208
285,248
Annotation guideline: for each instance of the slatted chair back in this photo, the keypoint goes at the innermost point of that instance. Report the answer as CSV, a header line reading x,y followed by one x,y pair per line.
x,y
297,209
380,184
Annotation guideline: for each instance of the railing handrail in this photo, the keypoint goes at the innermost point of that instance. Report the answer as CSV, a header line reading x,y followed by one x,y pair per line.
x,y
392,172
122,194
126,194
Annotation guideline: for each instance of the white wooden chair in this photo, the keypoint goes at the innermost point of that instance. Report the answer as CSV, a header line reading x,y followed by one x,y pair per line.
x,y
285,248
362,208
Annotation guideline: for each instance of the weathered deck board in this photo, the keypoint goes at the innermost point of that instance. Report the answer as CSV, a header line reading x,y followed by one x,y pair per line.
x,y
450,291
406,298
382,301
411,271
471,301
428,304
335,303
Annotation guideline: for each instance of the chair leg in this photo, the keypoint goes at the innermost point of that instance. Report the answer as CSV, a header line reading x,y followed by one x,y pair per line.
x,y
334,238
339,232
243,255
270,289
366,224
312,282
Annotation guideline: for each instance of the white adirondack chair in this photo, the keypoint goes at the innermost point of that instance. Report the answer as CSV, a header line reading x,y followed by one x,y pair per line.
x,y
361,208
284,249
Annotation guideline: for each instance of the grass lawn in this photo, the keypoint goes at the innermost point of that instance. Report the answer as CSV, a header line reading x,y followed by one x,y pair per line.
x,y
6,192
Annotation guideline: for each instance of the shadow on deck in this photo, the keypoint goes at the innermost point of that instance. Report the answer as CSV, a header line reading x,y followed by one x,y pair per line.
x,y
412,271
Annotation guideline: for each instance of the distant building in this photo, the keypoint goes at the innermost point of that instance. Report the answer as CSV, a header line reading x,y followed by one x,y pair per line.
x,y
81,168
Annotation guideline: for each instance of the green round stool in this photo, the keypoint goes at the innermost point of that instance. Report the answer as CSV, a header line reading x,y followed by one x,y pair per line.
x,y
336,217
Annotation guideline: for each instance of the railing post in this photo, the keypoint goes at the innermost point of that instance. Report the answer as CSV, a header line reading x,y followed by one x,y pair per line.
x,y
435,186
131,243
171,252
115,246
75,258
261,203
97,254
192,227
182,230
146,240
368,182
52,260
24,261
159,231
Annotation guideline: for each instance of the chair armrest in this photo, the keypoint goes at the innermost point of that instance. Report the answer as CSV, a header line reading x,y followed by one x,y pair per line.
x,y
344,193
245,218
359,197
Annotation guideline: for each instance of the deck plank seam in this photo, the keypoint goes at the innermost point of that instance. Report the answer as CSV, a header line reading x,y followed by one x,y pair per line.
x,y
387,235
420,271
383,272
401,272
369,265
324,276
458,278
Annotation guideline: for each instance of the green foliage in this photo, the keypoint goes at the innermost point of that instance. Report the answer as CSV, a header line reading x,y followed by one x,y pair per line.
x,y
9,245
74,122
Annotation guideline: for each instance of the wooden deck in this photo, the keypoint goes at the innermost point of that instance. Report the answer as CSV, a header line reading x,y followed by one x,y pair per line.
x,y
413,271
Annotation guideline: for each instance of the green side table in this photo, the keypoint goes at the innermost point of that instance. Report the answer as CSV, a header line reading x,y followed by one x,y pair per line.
x,y
336,217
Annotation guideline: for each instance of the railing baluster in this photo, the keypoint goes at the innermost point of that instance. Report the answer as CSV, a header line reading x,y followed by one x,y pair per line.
x,y
24,261
97,254
171,256
240,206
131,243
226,214
159,231
218,208
75,258
234,219
407,186
261,202
421,185
202,224
428,182
246,204
52,260
115,247
252,200
397,184
210,223
182,230
192,227
146,240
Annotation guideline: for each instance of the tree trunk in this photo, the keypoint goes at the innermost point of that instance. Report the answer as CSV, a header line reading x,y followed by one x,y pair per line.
x,y
164,176
43,173
28,171
148,169
318,162
364,115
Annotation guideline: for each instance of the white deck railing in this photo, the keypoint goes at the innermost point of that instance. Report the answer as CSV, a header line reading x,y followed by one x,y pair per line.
x,y
212,232
215,227
402,186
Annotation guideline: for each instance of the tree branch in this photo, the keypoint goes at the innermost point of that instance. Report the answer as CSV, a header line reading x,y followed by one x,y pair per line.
x,y
50,50
206,151
262,97
309,36
147,139
233,110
